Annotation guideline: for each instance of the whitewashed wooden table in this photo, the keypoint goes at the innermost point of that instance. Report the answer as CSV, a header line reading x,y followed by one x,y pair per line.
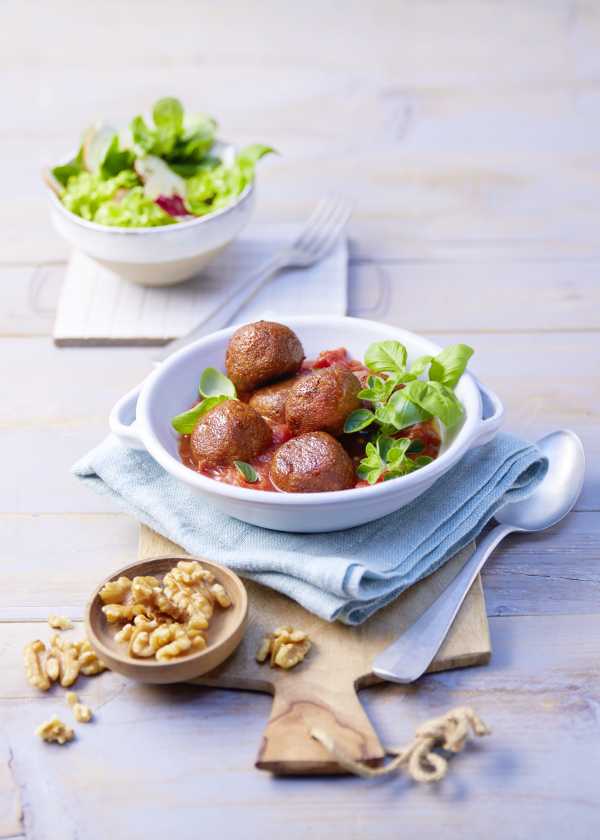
x,y
467,134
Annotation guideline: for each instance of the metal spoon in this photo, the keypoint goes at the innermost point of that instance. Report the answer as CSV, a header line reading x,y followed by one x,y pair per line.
x,y
406,659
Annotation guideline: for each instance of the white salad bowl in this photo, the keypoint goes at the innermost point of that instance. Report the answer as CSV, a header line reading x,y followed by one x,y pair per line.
x,y
155,256
142,420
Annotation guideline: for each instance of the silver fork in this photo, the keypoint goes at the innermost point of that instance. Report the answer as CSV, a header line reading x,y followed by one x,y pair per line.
x,y
315,241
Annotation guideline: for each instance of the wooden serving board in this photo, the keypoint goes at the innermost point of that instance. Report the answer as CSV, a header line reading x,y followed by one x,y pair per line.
x,y
322,691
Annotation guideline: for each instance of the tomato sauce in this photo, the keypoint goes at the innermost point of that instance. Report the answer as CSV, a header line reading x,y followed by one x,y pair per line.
x,y
353,444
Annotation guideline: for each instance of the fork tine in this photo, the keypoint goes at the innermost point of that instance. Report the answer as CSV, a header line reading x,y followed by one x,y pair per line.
x,y
314,235
314,222
323,239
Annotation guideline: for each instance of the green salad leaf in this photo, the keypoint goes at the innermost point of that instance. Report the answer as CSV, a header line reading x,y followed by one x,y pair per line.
x,y
185,423
400,412
143,137
86,192
196,139
419,366
386,458
247,471
358,420
116,159
168,115
386,356
70,169
133,209
435,399
400,399
213,383
449,365
215,387
217,187
201,181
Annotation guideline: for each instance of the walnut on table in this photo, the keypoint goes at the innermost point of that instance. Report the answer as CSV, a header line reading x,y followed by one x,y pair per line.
x,y
284,647
81,712
60,622
36,674
63,661
165,619
54,730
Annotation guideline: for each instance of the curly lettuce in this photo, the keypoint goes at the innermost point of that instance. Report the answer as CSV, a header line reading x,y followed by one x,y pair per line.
x,y
117,184
215,188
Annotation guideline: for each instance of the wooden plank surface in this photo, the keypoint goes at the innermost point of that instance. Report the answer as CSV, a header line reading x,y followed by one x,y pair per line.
x,y
323,692
467,134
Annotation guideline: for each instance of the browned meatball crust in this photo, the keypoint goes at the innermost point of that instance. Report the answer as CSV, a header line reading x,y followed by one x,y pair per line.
x,y
262,352
322,401
270,400
228,432
312,463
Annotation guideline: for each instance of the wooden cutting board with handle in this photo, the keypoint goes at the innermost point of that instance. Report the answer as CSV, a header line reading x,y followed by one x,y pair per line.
x,y
322,691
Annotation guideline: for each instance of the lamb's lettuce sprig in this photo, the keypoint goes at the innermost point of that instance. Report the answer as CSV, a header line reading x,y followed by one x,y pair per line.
x,y
214,388
400,399
388,458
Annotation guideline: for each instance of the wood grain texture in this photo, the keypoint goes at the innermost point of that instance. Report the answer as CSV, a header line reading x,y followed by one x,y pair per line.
x,y
467,134
555,572
321,692
380,289
539,694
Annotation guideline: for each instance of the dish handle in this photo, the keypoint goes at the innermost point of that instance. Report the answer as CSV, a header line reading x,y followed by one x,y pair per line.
x,y
492,412
122,420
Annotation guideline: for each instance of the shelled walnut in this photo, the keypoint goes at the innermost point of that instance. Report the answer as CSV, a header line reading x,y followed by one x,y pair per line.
x,y
54,730
164,619
81,712
60,622
284,647
63,661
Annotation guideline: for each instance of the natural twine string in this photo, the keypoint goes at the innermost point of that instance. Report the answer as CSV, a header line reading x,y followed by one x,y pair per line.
x,y
448,732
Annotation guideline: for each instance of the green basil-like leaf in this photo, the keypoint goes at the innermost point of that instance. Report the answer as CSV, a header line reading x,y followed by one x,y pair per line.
x,y
386,356
247,471
419,366
398,450
400,412
378,390
436,399
67,170
415,447
116,159
372,466
358,420
423,460
185,423
213,383
168,113
384,446
449,365
142,135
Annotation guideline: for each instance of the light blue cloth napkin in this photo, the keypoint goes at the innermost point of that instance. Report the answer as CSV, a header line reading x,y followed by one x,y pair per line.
x,y
345,575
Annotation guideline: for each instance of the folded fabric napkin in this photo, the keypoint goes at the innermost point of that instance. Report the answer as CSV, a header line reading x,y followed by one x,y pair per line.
x,y
345,575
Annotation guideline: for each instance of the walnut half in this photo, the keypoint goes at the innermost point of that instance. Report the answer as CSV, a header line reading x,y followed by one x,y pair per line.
x,y
81,712
54,730
285,648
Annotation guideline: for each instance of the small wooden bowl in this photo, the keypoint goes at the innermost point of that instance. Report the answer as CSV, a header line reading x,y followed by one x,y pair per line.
x,y
226,630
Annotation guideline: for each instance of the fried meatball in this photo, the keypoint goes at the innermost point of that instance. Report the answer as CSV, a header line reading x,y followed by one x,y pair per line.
x,y
322,401
312,463
262,352
270,400
230,431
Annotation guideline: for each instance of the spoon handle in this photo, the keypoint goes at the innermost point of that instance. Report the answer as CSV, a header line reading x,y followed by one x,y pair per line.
x,y
406,659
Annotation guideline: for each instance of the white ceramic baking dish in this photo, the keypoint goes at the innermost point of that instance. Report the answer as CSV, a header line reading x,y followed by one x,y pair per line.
x,y
142,420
